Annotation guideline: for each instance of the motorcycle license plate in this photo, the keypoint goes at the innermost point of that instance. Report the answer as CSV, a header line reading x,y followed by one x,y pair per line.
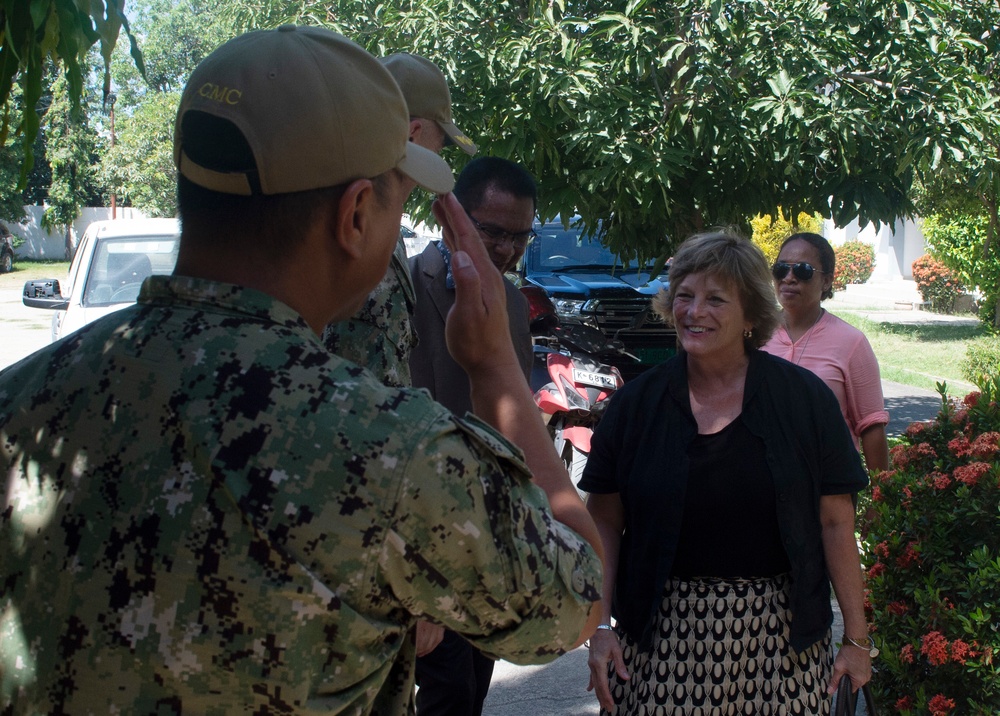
x,y
598,380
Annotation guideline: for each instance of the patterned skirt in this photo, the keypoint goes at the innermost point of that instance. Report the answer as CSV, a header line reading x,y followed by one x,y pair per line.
x,y
721,649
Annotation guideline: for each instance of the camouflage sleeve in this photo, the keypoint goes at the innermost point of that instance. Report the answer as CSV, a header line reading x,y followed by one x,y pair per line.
x,y
475,547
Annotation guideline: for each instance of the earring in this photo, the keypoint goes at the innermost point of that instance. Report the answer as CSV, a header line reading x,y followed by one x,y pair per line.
x,y
748,333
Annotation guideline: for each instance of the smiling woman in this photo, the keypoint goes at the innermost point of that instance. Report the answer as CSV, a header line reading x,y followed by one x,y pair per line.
x,y
728,531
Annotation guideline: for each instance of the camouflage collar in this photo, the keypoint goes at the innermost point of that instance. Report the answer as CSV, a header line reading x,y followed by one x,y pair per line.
x,y
219,297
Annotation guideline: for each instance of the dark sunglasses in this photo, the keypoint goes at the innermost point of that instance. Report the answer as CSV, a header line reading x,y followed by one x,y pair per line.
x,y
802,271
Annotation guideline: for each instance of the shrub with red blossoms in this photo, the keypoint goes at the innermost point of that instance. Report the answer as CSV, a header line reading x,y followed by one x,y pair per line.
x,y
960,446
938,285
915,429
899,608
960,651
941,706
909,557
971,474
986,445
971,399
932,552
934,646
939,480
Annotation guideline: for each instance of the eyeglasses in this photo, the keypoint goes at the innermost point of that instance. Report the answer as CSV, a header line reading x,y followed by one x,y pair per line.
x,y
802,271
495,235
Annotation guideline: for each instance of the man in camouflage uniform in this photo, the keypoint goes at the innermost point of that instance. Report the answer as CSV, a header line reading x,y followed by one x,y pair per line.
x,y
380,336
206,511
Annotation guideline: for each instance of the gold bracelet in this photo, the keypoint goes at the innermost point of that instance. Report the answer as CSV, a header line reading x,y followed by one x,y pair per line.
x,y
869,647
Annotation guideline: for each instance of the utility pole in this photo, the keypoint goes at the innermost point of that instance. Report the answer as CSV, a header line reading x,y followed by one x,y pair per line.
x,y
112,98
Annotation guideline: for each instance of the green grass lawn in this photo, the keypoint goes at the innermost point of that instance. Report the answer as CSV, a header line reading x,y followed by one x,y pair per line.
x,y
25,270
919,355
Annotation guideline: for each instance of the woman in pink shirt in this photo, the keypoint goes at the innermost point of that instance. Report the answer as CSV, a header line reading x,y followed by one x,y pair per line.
x,y
837,352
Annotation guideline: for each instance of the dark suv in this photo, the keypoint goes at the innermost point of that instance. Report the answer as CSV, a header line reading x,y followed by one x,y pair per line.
x,y
588,283
6,249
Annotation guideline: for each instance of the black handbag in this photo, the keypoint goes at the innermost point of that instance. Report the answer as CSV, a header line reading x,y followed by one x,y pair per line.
x,y
846,703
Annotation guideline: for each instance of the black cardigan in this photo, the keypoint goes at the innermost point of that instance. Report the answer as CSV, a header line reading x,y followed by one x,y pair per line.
x,y
639,450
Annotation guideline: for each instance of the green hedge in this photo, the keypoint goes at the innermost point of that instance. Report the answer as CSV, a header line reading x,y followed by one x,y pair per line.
x,y
982,361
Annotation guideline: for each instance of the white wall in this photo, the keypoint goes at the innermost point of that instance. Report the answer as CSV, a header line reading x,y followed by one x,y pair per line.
x,y
40,244
896,247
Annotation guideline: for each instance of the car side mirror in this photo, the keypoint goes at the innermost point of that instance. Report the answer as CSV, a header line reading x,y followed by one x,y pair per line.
x,y
44,293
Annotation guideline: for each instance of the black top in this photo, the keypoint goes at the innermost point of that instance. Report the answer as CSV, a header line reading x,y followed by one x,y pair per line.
x,y
640,451
730,524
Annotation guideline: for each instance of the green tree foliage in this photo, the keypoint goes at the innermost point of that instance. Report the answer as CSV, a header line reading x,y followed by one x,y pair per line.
x,y
960,177
69,151
62,31
661,119
960,241
139,169
12,198
175,36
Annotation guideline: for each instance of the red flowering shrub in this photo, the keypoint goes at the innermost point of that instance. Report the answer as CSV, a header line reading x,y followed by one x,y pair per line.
x,y
937,284
855,262
932,554
941,706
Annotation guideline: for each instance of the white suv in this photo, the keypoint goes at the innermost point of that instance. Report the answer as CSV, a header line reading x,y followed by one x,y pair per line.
x,y
111,262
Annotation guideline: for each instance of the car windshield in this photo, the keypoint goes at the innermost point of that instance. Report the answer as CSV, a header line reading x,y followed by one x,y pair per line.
x,y
559,249
121,265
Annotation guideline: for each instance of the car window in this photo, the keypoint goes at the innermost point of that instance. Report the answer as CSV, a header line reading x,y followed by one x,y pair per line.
x,y
75,268
119,267
557,248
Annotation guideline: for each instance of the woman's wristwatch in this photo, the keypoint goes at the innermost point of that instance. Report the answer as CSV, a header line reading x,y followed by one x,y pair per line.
x,y
869,647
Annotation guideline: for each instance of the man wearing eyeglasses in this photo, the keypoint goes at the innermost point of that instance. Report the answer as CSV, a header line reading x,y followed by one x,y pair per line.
x,y
500,198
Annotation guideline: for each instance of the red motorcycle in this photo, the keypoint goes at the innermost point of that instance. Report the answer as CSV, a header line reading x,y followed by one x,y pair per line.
x,y
571,378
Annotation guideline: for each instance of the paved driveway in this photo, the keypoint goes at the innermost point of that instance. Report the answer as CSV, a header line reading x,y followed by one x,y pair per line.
x,y
23,330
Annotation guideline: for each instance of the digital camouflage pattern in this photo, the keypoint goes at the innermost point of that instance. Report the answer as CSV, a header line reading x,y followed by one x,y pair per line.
x,y
380,336
207,512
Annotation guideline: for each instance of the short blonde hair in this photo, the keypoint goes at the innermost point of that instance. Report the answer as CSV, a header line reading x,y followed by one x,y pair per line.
x,y
736,260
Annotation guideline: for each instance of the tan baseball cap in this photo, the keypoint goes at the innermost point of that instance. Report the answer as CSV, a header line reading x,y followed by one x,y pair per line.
x,y
316,109
426,91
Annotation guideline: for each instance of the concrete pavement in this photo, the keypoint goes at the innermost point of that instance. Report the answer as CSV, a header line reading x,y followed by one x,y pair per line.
x,y
24,330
